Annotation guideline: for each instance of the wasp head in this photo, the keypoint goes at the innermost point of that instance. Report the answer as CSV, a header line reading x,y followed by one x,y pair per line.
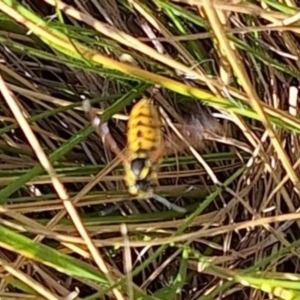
x,y
138,177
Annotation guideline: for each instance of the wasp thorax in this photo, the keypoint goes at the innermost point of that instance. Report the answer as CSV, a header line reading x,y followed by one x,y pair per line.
x,y
138,166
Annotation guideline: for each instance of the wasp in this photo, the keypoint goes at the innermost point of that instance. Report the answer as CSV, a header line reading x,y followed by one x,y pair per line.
x,y
144,149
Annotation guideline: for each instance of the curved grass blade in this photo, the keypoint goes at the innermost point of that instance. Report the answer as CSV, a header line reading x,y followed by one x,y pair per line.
x,y
48,256
60,42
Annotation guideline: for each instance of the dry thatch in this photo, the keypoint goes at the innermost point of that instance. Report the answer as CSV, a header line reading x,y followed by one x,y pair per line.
x,y
226,75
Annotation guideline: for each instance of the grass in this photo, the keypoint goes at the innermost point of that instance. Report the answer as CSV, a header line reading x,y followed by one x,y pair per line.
x,y
69,230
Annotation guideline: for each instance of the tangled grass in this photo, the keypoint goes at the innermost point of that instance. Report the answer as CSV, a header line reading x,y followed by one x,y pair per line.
x,y
226,75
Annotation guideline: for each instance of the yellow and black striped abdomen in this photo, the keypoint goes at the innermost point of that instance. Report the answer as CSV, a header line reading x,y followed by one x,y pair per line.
x,y
144,132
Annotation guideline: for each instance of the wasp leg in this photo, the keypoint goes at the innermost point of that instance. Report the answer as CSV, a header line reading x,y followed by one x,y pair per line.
x,y
107,137
103,131
155,158
157,154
